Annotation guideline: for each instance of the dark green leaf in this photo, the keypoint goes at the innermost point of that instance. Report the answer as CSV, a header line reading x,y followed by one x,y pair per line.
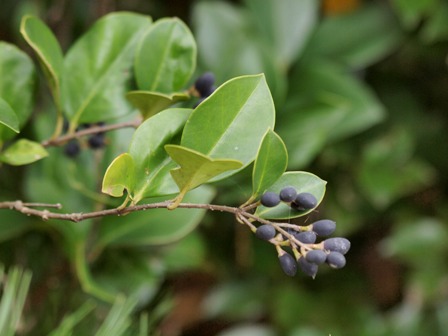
x,y
97,68
48,50
8,117
166,58
150,103
270,164
232,121
303,182
23,152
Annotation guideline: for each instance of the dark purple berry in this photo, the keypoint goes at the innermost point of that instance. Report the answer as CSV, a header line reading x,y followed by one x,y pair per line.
x,y
316,257
270,199
72,149
336,260
341,245
306,237
288,264
308,268
324,227
288,194
204,84
97,141
265,232
304,201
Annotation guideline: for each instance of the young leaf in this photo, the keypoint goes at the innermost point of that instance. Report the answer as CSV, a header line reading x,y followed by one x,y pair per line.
x,y
150,103
8,117
23,152
97,68
232,121
119,176
48,50
152,163
302,182
16,85
166,57
195,168
270,163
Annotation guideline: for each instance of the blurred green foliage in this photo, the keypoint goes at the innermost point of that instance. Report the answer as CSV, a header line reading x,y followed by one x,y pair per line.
x,y
361,101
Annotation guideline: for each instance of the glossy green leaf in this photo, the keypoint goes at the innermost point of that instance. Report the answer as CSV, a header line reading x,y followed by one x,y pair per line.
x,y
97,68
119,176
270,164
285,25
8,117
232,121
376,35
196,168
16,84
303,182
154,226
166,57
48,50
23,152
150,103
152,163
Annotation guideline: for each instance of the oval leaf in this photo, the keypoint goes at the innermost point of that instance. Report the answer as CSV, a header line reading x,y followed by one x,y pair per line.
x,y
8,116
97,68
196,168
270,163
119,176
166,58
152,163
16,84
150,103
23,152
47,48
303,182
232,121
155,226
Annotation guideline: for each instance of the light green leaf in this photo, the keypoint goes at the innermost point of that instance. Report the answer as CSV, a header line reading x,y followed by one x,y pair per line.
x,y
152,163
232,121
154,226
195,168
8,117
16,84
48,50
119,176
97,68
23,152
270,163
166,58
150,103
302,182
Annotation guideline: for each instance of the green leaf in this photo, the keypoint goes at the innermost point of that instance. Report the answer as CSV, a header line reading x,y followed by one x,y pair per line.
x,y
152,163
97,68
166,57
154,226
150,103
23,152
196,168
119,176
270,163
16,84
303,182
232,121
8,116
285,25
376,35
48,50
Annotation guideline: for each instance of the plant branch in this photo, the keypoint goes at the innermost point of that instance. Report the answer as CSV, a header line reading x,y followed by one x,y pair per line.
x,y
91,130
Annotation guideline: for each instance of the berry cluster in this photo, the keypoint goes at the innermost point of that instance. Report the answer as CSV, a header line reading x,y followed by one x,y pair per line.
x,y
94,141
307,253
204,86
